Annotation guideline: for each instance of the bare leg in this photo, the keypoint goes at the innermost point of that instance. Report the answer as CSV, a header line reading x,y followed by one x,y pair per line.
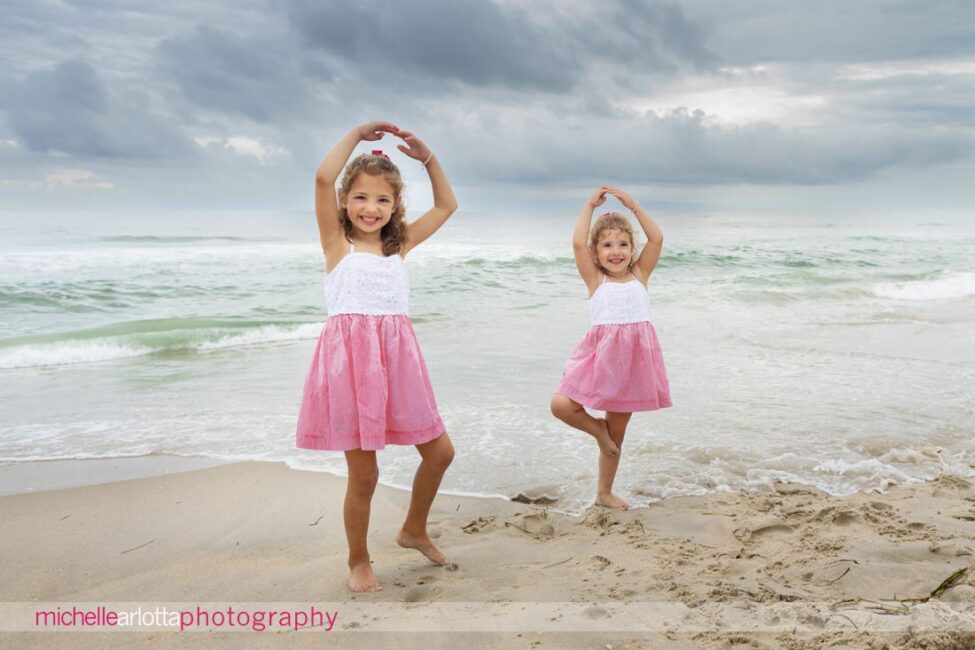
x,y
363,476
573,414
437,455
609,464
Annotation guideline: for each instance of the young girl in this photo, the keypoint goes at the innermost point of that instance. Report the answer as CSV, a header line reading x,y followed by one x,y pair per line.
x,y
368,385
618,367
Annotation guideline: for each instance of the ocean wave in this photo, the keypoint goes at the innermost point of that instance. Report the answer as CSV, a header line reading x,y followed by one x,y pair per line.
x,y
268,334
179,239
746,257
738,258
783,295
68,352
520,262
142,338
144,259
955,285
104,295
700,258
43,458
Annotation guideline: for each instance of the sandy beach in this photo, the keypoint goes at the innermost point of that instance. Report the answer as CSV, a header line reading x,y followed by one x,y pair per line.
x,y
793,568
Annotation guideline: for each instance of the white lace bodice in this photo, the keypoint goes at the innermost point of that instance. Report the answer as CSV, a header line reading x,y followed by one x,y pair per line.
x,y
363,283
619,302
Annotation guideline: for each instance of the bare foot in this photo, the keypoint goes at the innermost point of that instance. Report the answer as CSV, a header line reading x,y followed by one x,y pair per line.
x,y
612,501
606,444
361,578
422,544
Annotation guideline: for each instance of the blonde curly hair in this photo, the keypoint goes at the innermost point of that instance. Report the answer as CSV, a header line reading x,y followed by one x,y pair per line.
x,y
611,221
393,233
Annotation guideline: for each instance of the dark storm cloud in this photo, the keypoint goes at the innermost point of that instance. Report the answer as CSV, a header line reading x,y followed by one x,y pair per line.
x,y
535,95
467,41
255,77
835,30
647,36
478,43
934,100
683,148
69,109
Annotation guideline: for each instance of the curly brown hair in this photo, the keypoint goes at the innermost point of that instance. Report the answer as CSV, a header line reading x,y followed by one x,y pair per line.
x,y
393,233
611,221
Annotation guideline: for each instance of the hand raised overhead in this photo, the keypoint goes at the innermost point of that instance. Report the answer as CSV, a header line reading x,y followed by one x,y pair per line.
x,y
598,196
375,130
623,197
414,147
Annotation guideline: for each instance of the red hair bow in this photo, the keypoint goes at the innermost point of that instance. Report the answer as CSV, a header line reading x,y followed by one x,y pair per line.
x,y
379,152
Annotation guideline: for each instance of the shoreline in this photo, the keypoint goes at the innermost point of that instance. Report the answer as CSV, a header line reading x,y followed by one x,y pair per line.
x,y
38,475
683,572
32,476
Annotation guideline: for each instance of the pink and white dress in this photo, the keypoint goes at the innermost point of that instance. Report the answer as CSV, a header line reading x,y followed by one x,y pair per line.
x,y
367,385
618,365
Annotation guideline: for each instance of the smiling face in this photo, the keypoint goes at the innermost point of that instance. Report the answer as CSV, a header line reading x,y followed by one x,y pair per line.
x,y
614,251
370,203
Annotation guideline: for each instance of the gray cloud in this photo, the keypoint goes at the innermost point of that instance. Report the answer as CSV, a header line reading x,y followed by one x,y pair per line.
x,y
258,78
466,41
642,36
685,148
834,30
509,93
68,109
479,43
934,100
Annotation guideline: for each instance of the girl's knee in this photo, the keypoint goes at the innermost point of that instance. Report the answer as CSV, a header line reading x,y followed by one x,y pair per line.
x,y
617,423
443,456
364,482
561,406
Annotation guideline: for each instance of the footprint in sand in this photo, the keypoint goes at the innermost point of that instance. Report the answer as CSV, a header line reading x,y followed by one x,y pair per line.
x,y
830,514
846,517
765,527
950,548
600,562
419,595
477,525
599,517
537,526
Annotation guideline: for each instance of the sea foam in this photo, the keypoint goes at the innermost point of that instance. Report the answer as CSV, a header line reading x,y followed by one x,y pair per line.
x,y
956,285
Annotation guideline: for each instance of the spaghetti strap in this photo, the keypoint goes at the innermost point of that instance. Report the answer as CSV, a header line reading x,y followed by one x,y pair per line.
x,y
351,246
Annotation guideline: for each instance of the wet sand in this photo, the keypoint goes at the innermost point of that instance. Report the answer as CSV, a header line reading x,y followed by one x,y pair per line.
x,y
793,568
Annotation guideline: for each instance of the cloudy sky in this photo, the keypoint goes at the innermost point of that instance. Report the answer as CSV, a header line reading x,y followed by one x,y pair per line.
x,y
697,106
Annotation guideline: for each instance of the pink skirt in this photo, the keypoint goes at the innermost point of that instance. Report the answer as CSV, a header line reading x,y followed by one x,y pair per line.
x,y
618,368
367,387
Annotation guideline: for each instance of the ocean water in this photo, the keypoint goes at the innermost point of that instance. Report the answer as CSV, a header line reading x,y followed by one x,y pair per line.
x,y
833,352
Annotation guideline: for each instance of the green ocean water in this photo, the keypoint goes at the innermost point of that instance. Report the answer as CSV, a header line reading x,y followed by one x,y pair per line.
x,y
834,353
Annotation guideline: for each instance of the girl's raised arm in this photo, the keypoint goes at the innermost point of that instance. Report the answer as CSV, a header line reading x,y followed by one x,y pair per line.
x,y
650,254
444,201
580,239
326,202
